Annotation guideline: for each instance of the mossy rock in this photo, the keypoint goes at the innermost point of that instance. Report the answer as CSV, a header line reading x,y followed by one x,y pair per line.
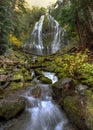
x,y
89,109
62,88
27,76
27,84
79,109
45,80
38,72
17,76
10,107
2,71
77,103
17,85
75,111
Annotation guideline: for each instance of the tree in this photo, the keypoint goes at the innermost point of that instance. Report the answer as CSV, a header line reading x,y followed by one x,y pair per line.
x,y
77,17
5,24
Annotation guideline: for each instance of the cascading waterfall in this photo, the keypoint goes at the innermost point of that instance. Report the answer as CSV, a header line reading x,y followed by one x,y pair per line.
x,y
41,113
36,44
56,43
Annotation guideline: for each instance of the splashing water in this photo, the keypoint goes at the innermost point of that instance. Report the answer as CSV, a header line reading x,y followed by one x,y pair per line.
x,y
41,113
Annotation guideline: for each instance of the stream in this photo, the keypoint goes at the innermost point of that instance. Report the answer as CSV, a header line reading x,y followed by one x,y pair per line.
x,y
41,113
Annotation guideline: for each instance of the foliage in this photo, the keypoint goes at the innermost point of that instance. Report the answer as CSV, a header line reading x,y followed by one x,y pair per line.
x,y
68,22
75,66
21,20
24,20
76,19
17,19
14,40
5,24
36,13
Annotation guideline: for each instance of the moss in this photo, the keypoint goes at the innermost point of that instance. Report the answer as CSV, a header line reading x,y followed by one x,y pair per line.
x,y
38,72
17,76
2,71
17,85
27,84
9,108
27,76
45,80
75,111
89,109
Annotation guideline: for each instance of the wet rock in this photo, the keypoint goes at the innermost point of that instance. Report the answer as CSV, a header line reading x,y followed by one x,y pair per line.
x,y
64,83
63,88
11,106
36,92
80,88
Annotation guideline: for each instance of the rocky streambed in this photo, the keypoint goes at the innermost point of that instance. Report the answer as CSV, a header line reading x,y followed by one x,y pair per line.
x,y
19,71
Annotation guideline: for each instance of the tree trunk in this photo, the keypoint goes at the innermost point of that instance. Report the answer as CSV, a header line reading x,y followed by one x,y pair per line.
x,y
79,28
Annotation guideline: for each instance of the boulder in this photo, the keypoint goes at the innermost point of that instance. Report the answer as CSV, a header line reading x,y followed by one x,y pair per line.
x,y
76,101
79,109
63,87
36,92
11,107
45,80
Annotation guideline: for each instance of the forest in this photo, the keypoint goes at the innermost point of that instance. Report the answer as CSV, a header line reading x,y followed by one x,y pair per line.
x,y
46,65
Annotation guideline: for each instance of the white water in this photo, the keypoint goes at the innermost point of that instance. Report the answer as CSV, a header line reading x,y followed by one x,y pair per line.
x,y
41,113
37,36
51,76
36,44
56,43
45,115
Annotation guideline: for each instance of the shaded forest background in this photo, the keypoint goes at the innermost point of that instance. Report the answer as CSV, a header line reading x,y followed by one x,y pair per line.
x,y
17,21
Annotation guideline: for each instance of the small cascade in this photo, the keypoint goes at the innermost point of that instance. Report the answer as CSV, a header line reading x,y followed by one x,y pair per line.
x,y
36,44
45,115
41,112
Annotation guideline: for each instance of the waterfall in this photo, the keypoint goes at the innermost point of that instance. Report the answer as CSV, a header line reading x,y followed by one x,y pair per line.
x,y
37,45
56,43
37,33
37,36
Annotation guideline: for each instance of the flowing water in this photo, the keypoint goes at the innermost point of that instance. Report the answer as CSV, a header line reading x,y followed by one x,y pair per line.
x,y
36,44
41,113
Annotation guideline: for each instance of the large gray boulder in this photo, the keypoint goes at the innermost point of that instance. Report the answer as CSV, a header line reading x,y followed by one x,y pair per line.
x,y
11,106
61,86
